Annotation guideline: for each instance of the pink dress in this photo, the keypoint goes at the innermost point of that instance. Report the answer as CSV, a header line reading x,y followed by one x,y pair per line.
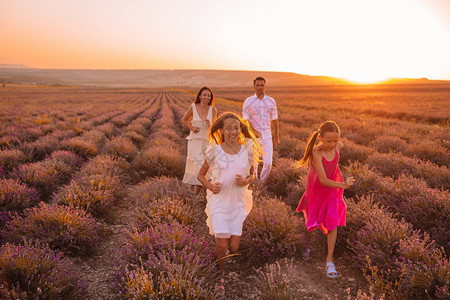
x,y
322,206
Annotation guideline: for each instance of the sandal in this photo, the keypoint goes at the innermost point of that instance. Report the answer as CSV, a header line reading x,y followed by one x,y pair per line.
x,y
331,270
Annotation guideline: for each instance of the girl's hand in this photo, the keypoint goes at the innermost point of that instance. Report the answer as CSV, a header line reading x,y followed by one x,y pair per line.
x,y
276,141
240,181
207,123
349,181
216,187
195,129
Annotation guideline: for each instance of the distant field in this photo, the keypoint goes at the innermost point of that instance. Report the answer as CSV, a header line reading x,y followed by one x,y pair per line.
x,y
429,103
108,152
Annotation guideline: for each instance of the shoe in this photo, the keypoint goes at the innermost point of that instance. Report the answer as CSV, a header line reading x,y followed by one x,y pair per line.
x,y
331,270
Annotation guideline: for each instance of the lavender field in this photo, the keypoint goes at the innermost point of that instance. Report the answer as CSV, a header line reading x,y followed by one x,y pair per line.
x,y
92,205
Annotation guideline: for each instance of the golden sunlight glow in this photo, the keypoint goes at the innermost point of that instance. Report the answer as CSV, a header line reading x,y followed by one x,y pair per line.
x,y
361,41
366,41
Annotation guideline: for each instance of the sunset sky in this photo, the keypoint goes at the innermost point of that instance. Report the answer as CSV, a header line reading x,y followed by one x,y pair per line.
x,y
359,40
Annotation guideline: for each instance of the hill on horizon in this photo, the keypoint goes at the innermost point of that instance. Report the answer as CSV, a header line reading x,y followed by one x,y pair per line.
x,y
167,78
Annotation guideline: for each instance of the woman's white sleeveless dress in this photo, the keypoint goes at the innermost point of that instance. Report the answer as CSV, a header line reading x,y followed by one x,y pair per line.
x,y
197,144
228,209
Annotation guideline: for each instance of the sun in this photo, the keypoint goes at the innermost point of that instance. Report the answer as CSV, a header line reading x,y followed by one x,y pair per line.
x,y
362,42
366,78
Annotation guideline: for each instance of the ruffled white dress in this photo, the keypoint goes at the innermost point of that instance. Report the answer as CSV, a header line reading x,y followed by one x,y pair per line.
x,y
197,144
228,209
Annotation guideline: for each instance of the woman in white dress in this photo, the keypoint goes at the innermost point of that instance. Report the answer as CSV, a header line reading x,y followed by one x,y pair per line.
x,y
230,158
198,119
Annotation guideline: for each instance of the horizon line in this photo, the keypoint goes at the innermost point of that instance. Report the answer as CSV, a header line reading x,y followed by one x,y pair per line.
x,y
20,66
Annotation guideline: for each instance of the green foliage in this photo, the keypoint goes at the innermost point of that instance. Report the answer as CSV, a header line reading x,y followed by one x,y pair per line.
x,y
95,137
276,281
271,230
45,175
96,193
180,264
136,127
16,196
9,142
353,152
121,147
64,228
283,172
81,147
367,180
422,206
389,144
295,190
160,161
399,262
108,129
138,284
69,158
168,210
291,148
36,272
395,164
159,187
11,159
41,147
108,165
137,139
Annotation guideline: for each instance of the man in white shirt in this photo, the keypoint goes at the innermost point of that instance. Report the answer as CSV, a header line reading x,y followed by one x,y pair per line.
x,y
261,112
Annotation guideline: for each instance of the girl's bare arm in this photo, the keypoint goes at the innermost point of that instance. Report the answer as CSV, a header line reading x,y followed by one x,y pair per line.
x,y
186,118
215,188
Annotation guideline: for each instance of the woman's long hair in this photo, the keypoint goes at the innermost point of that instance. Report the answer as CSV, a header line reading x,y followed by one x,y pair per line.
x,y
211,102
216,135
328,126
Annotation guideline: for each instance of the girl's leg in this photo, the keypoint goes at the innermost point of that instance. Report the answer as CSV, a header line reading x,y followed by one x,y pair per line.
x,y
234,243
222,245
331,242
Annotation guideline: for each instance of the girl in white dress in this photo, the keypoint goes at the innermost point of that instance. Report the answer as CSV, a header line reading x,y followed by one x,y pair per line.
x,y
198,119
230,158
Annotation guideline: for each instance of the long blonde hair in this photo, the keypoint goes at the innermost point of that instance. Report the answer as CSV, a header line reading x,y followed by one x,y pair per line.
x,y
216,134
328,126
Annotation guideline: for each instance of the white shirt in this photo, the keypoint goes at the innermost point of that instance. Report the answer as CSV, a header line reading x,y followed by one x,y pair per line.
x,y
260,113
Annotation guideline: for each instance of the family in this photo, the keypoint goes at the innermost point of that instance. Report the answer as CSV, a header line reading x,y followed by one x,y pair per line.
x,y
223,155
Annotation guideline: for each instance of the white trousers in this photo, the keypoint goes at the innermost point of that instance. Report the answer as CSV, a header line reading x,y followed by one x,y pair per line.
x,y
267,153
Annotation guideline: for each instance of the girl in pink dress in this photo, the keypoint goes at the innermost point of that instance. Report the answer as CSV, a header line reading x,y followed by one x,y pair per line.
x,y
322,203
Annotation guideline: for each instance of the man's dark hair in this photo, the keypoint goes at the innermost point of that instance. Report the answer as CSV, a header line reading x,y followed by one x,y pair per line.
x,y
259,78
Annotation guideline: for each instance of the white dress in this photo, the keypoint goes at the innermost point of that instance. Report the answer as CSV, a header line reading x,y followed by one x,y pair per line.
x,y
197,144
228,209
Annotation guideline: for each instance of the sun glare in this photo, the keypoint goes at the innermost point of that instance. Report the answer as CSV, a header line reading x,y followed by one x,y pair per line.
x,y
360,41
369,79
355,40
